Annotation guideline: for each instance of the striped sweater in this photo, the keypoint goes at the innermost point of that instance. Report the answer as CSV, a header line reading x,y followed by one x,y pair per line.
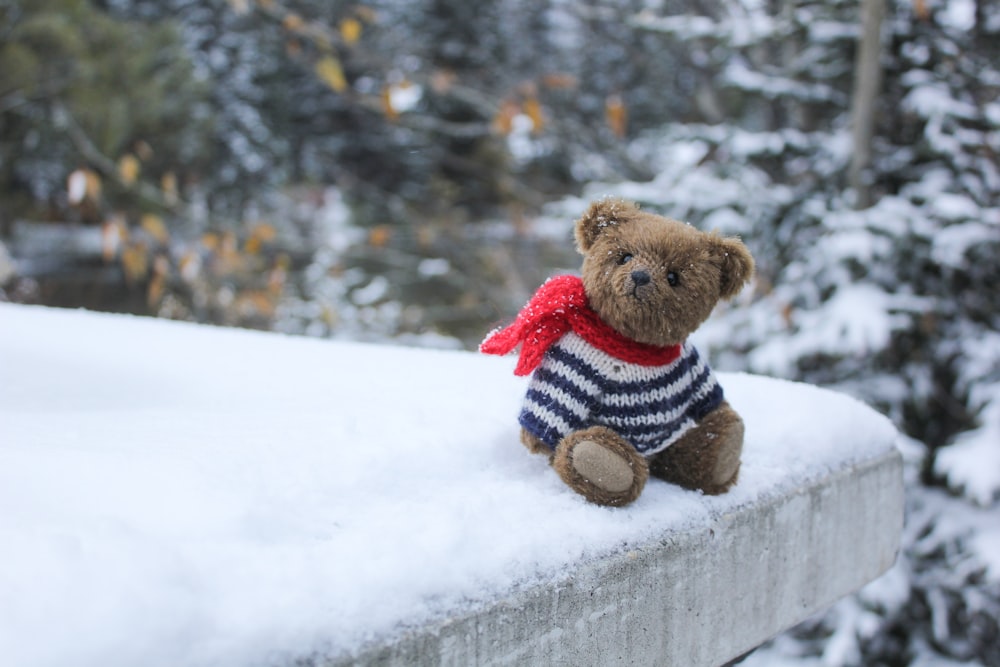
x,y
578,385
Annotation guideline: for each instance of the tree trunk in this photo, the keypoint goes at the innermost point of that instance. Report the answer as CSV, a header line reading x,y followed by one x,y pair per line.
x,y
867,82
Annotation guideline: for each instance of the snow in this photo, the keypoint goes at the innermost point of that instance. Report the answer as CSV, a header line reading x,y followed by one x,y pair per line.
x,y
173,494
972,463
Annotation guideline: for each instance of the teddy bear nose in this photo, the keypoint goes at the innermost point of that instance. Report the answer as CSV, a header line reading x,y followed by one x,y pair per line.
x,y
640,278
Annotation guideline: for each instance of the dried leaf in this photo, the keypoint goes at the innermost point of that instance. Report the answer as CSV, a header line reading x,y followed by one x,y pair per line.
x,y
94,184
503,122
559,81
155,290
387,108
252,245
135,262
143,150
168,183
788,315
293,22
189,266
210,240
154,226
616,115
158,284
442,80
329,71
264,232
533,109
254,303
128,168
350,30
379,235
278,275
161,265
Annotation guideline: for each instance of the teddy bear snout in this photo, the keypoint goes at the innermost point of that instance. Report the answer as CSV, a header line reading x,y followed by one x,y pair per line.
x,y
640,278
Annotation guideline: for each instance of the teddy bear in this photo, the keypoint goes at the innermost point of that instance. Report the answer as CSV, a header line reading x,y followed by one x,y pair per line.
x,y
617,393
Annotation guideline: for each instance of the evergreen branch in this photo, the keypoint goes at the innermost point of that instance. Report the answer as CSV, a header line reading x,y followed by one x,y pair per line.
x,y
106,166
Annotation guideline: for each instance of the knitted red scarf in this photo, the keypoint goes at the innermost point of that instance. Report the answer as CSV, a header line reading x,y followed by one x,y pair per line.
x,y
558,307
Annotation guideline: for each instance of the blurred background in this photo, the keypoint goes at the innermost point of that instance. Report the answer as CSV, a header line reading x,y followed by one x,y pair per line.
x,y
408,171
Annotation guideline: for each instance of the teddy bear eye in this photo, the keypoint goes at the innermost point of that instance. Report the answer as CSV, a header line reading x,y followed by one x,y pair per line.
x,y
625,258
672,278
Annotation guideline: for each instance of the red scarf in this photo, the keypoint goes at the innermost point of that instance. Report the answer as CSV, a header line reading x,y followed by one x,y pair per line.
x,y
558,307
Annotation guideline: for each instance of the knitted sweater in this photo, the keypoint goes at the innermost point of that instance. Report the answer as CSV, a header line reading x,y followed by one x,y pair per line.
x,y
578,385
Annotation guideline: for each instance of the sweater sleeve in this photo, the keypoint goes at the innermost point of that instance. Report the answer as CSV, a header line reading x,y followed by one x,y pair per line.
x,y
561,398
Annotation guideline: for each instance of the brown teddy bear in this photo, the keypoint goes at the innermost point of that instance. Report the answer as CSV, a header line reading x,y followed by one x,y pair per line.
x,y
617,392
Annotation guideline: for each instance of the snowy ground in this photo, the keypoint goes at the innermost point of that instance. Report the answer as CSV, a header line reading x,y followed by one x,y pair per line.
x,y
172,494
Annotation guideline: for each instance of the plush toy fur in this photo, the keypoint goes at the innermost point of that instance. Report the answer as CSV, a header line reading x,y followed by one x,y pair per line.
x,y
653,280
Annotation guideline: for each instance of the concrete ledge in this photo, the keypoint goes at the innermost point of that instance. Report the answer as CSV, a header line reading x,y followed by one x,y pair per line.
x,y
182,496
697,598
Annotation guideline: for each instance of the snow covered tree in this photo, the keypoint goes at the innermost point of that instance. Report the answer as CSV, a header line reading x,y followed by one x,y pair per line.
x,y
892,302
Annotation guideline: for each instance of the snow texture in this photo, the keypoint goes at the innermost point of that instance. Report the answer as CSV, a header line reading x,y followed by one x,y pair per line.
x,y
173,494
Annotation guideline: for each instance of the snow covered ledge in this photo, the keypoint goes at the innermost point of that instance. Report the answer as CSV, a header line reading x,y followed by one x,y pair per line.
x,y
181,495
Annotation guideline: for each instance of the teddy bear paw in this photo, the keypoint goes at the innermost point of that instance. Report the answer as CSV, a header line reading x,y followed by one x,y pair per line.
x,y
601,466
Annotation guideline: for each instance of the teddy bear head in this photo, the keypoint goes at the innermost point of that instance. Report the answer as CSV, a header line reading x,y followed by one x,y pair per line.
x,y
654,279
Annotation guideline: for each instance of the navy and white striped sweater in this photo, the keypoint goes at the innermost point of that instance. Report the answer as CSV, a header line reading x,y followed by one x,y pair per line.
x,y
578,386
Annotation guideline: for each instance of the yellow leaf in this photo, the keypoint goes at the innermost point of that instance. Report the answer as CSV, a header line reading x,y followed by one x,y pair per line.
x,y
153,225
264,232
533,109
350,30
168,183
128,168
93,184
616,115
135,262
329,71
252,245
210,240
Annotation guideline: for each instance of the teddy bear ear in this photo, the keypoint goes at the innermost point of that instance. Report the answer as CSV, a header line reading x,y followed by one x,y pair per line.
x,y
737,266
601,214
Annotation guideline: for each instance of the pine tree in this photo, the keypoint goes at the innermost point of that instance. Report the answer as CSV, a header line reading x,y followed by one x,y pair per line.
x,y
892,302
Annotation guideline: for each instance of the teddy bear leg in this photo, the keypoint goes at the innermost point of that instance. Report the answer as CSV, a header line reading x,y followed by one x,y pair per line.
x,y
534,445
601,466
707,457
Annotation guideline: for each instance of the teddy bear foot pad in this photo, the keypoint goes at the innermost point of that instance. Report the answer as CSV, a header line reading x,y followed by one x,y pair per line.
x,y
600,466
